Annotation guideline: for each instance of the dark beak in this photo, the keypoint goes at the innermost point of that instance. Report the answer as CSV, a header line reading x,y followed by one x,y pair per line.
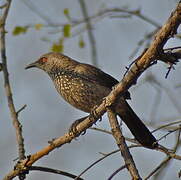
x,y
32,65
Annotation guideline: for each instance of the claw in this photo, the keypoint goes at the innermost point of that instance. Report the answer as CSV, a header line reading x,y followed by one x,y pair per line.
x,y
73,127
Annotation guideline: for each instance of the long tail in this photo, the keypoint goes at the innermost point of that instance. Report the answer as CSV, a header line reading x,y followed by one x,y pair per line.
x,y
136,126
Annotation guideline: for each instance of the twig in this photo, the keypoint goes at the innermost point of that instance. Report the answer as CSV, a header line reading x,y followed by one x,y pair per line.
x,y
166,125
106,12
14,115
3,6
1,67
121,143
108,132
102,14
100,159
105,155
167,159
152,79
118,170
161,173
15,121
21,109
158,167
147,38
101,130
55,171
155,107
38,12
170,132
90,33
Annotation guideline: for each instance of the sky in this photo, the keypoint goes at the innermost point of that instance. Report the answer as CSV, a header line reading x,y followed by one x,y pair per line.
x,y
48,116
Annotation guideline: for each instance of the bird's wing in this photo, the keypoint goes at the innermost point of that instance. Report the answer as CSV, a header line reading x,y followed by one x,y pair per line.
x,y
95,74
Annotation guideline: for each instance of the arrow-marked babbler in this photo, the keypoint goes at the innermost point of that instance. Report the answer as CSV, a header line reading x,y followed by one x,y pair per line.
x,y
84,86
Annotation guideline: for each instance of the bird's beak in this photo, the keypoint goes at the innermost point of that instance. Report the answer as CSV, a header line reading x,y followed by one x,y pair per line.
x,y
31,65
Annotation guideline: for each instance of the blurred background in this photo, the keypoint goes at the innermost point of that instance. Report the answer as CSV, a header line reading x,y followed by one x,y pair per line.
x,y
37,27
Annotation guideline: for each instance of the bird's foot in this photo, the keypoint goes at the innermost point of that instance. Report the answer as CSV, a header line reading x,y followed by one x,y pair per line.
x,y
94,114
73,127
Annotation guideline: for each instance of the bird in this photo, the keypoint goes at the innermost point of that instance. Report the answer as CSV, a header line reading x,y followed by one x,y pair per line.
x,y
84,86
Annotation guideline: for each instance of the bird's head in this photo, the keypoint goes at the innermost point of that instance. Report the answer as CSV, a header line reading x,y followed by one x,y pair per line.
x,y
52,60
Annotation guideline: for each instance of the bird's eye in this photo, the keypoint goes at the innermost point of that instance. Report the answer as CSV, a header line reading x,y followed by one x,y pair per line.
x,y
43,60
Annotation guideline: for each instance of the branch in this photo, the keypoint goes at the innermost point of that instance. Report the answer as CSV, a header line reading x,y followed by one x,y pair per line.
x,y
167,159
105,155
97,161
90,33
120,140
108,132
166,125
136,13
154,81
99,15
38,12
8,91
55,171
118,170
167,31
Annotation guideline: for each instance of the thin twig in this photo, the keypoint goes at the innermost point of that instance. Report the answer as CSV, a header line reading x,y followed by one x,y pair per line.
x,y
110,133
145,40
108,12
155,107
100,159
167,159
55,171
21,109
161,173
118,170
102,14
152,79
1,67
90,33
166,125
3,6
105,155
38,12
170,132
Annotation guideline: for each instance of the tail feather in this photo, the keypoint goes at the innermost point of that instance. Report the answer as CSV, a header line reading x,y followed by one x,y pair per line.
x,y
136,126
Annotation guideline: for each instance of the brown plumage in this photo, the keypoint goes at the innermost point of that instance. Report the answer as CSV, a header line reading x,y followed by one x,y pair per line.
x,y
84,86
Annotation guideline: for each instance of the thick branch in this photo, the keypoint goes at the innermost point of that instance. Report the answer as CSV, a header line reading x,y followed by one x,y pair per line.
x,y
120,140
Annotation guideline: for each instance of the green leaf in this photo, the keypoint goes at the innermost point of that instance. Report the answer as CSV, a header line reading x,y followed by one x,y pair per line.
x,y
67,14
81,43
57,47
38,26
20,30
178,86
66,11
67,30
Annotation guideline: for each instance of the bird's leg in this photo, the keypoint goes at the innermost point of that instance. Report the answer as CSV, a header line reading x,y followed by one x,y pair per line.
x,y
73,127
93,113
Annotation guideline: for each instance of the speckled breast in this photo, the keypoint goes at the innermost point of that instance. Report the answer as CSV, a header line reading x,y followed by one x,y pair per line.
x,y
80,92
